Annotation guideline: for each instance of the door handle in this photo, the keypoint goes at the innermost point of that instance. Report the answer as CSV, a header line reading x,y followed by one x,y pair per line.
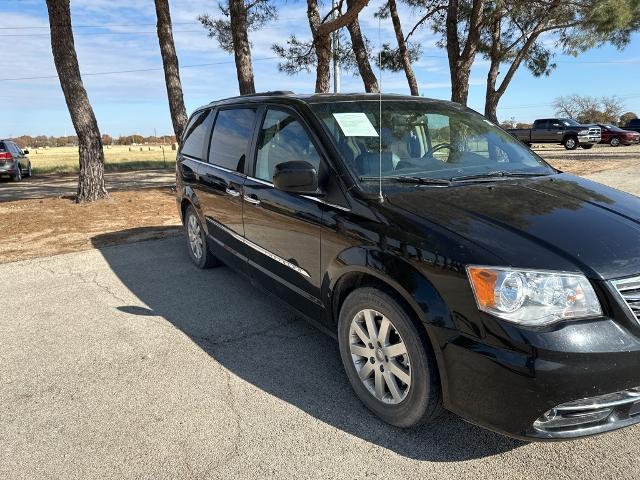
x,y
252,199
232,191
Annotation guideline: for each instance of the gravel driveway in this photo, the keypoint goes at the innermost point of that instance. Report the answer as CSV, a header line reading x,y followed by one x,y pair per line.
x,y
127,362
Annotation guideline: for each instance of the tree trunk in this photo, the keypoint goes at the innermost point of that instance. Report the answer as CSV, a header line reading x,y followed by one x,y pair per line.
x,y
91,156
322,47
171,70
362,57
321,32
402,49
460,62
241,47
492,97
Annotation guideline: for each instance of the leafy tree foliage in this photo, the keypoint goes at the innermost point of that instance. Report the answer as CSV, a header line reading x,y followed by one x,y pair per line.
x,y
586,109
626,117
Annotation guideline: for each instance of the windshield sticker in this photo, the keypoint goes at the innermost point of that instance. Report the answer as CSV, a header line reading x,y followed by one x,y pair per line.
x,y
355,124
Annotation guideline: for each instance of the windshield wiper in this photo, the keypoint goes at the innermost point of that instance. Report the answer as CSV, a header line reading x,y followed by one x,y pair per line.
x,y
497,174
408,179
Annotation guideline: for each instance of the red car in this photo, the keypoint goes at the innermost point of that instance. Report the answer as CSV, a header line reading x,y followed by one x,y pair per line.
x,y
615,136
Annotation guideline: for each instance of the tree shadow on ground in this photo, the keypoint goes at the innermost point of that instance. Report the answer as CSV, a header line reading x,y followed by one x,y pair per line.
x,y
262,341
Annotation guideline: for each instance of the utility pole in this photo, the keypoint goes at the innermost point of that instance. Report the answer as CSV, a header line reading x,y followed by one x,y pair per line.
x,y
335,47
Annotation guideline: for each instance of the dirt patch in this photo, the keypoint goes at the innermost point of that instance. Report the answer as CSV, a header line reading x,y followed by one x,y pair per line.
x,y
600,158
48,226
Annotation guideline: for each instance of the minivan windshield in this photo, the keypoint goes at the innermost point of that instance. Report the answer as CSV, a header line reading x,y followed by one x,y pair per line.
x,y
423,140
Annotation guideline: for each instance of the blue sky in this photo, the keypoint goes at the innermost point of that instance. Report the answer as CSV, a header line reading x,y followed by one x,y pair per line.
x,y
135,102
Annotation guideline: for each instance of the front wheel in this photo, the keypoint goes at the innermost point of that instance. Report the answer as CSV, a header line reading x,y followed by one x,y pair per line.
x,y
614,142
388,361
570,143
196,241
28,173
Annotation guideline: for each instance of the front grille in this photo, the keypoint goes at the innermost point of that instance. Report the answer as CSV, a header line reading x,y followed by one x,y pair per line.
x,y
629,290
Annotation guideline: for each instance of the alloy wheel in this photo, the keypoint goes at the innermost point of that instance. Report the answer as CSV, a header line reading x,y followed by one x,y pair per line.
x,y
615,141
380,356
571,143
195,236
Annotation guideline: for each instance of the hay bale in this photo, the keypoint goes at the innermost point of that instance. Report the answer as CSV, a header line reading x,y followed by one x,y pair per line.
x,y
174,146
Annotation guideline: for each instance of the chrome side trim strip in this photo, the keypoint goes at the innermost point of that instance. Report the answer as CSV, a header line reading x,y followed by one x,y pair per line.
x,y
258,248
217,167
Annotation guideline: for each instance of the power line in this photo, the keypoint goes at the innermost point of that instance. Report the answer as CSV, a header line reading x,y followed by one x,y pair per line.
x,y
137,70
104,25
95,33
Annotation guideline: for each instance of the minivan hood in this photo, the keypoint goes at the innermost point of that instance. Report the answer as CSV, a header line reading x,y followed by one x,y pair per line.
x,y
559,222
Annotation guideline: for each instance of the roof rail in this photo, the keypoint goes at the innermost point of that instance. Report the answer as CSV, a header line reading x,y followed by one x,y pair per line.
x,y
259,94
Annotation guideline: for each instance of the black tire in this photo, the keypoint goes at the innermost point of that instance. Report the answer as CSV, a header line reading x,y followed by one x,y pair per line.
x,y
202,257
423,399
587,146
18,175
570,143
614,141
28,172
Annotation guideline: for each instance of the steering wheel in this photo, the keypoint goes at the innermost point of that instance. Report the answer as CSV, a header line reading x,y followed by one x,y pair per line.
x,y
440,146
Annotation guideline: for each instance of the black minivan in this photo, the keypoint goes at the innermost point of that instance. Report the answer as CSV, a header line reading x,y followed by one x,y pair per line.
x,y
456,268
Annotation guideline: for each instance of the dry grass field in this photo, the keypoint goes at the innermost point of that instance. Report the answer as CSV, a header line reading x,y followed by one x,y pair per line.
x,y
117,157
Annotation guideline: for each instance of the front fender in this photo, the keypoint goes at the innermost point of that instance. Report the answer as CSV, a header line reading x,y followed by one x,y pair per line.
x,y
405,279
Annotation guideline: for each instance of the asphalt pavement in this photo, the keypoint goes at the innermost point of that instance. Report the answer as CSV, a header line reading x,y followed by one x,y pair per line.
x,y
128,362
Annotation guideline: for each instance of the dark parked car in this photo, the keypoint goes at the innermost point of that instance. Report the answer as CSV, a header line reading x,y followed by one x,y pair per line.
x,y
633,125
616,136
455,267
14,162
564,131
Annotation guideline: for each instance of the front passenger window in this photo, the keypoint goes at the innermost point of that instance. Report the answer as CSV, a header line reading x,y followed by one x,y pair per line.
x,y
283,139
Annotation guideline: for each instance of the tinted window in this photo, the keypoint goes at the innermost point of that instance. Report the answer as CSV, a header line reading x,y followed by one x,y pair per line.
x,y
282,139
196,133
3,148
231,135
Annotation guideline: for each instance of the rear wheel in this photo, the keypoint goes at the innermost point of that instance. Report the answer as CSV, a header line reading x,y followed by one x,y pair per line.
x,y
570,143
614,142
196,241
388,362
18,175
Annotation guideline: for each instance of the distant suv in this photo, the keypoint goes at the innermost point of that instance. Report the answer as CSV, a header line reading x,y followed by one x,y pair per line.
x,y
565,131
455,267
14,162
633,125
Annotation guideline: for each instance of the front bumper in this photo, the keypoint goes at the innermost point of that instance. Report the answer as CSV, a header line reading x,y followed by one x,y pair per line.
x,y
508,380
589,139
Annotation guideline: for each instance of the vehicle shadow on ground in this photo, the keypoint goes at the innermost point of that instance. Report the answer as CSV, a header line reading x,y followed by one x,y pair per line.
x,y
262,341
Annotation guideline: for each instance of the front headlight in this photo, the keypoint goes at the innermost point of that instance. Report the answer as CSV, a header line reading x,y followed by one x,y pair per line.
x,y
583,132
530,297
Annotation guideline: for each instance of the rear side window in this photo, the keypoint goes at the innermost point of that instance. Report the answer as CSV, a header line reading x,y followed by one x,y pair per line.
x,y
230,139
195,134
3,148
